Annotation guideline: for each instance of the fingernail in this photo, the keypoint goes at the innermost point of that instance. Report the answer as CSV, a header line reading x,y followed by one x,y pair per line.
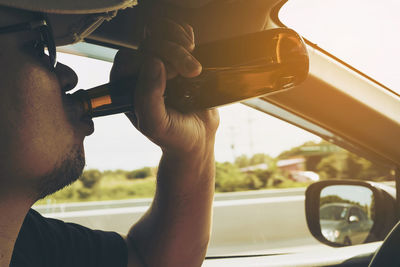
x,y
191,64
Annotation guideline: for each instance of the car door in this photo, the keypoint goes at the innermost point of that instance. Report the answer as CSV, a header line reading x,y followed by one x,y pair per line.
x,y
356,225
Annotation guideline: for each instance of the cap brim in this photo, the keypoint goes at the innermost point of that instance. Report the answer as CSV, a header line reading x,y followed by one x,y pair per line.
x,y
69,6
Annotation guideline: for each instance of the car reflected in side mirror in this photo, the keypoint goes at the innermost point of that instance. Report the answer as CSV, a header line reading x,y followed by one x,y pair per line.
x,y
341,207
347,212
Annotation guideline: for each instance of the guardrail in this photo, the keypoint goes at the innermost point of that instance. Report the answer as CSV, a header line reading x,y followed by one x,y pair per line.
x,y
242,221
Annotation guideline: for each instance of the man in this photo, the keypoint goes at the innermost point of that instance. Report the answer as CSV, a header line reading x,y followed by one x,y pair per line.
x,y
42,132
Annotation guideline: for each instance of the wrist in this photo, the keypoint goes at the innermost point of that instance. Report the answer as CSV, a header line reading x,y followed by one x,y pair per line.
x,y
200,143
192,152
187,169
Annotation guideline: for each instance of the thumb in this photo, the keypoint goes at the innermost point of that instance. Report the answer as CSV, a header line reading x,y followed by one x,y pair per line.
x,y
149,98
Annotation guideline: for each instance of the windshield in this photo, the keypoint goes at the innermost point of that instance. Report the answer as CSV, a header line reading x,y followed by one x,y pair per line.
x,y
263,166
362,33
333,213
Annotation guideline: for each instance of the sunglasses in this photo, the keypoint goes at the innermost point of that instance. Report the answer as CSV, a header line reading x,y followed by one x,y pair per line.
x,y
46,36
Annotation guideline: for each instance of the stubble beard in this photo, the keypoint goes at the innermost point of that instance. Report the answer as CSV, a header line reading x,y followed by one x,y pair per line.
x,y
64,174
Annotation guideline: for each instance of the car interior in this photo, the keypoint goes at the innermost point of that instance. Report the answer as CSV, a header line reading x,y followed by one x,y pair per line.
x,y
335,101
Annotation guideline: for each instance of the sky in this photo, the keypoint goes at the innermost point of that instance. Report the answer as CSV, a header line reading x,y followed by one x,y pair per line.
x,y
349,33
355,193
363,33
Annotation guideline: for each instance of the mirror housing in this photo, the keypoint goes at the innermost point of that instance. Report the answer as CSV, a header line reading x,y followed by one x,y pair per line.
x,y
384,209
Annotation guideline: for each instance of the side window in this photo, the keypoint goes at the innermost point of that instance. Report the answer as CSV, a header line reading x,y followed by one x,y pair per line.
x,y
263,166
361,215
354,212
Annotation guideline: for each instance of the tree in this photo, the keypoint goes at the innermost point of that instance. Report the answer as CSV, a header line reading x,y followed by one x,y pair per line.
x,y
242,161
295,151
228,178
84,192
253,182
259,158
360,168
312,162
345,165
263,176
140,173
90,178
329,167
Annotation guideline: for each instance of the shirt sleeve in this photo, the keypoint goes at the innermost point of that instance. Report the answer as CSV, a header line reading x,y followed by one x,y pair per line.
x,y
50,242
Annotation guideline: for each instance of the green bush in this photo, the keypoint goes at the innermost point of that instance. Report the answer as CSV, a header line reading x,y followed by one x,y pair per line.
x,y
84,192
139,189
228,178
140,174
90,178
263,176
253,182
68,192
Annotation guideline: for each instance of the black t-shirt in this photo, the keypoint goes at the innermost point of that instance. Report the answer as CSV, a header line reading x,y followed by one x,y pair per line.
x,y
48,242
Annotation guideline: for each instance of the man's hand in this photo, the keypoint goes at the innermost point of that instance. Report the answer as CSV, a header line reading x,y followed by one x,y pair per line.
x,y
173,43
172,131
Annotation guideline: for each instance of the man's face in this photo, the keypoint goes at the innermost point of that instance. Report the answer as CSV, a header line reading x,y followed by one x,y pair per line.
x,y
41,130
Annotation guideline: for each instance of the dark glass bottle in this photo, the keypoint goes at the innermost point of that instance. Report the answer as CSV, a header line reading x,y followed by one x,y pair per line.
x,y
234,70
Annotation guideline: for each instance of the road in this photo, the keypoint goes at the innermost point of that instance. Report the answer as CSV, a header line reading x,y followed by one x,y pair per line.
x,y
243,222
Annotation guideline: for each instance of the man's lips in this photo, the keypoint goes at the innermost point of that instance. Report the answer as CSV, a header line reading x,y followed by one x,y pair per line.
x,y
89,125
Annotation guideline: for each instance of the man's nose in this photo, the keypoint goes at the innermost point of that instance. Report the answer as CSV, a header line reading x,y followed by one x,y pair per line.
x,y
66,76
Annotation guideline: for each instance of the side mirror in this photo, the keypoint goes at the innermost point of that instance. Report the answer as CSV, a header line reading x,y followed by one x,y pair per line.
x,y
347,212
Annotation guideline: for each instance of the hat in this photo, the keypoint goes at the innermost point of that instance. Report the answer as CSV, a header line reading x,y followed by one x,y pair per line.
x,y
69,6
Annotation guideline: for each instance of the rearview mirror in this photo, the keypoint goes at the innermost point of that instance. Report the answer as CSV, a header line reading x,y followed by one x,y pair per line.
x,y
241,68
347,212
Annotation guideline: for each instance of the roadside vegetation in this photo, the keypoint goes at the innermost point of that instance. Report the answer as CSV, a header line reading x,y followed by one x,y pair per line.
x,y
246,173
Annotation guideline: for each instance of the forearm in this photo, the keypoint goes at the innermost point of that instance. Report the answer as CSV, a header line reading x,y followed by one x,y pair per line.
x,y
176,229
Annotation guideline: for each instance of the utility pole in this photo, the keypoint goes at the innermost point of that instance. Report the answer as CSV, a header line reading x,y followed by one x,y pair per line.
x,y
233,147
251,140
